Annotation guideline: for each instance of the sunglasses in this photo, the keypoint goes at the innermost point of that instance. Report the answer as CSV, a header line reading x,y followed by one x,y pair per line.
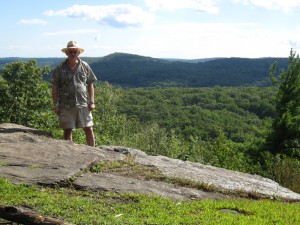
x,y
73,52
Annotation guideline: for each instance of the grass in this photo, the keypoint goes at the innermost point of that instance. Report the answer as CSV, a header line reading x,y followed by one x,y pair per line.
x,y
92,208
83,207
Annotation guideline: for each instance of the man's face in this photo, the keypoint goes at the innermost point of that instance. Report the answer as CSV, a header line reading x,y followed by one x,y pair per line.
x,y
73,53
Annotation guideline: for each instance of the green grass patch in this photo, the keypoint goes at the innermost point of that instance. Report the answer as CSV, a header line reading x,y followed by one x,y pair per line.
x,y
83,207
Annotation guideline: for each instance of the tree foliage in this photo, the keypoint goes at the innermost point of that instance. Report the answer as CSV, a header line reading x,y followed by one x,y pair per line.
x,y
201,112
286,126
24,95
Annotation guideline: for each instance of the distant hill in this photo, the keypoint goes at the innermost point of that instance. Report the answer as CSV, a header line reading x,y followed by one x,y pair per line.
x,y
41,61
129,70
139,71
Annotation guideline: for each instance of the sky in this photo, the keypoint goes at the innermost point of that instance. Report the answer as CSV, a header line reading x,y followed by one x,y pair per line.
x,y
185,29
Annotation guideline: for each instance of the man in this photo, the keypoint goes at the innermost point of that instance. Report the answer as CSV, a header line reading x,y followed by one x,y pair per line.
x,y
73,93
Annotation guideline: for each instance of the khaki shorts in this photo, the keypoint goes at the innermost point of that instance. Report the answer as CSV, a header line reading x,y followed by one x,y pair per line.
x,y
75,118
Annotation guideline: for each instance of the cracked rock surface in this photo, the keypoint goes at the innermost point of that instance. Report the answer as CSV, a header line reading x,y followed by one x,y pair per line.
x,y
32,157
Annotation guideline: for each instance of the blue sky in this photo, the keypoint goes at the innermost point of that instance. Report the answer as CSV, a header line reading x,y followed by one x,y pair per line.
x,y
187,29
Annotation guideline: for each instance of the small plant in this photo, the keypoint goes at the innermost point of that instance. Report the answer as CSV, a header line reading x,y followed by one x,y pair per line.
x,y
105,166
287,172
130,159
35,166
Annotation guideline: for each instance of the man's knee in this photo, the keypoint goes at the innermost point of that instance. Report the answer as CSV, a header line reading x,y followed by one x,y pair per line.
x,y
68,134
88,130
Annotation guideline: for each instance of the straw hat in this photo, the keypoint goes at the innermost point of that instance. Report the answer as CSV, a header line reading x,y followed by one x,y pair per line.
x,y
72,45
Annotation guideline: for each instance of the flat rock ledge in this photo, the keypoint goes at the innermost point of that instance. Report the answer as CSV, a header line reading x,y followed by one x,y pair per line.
x,y
32,157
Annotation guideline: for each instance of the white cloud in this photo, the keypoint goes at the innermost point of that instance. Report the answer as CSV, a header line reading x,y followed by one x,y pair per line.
x,y
64,32
208,6
32,22
286,6
210,40
115,15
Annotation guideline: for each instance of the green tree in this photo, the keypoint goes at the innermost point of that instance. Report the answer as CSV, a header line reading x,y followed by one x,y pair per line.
x,y
286,125
223,154
24,95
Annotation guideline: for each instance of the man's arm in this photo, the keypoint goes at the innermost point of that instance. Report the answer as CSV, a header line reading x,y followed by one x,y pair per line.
x,y
91,103
55,98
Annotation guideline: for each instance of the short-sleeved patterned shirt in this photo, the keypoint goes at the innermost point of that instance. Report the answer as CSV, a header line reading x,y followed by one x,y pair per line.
x,y
72,86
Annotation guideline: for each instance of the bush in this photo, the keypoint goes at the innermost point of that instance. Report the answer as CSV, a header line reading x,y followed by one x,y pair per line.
x,y
24,96
287,172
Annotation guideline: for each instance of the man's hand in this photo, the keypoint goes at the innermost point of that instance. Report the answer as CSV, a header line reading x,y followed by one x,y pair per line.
x,y
56,110
91,106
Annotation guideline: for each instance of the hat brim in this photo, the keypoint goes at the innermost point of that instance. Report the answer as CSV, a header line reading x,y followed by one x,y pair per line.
x,y
64,50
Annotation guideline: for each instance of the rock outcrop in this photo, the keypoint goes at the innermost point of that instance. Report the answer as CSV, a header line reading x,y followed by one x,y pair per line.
x,y
32,157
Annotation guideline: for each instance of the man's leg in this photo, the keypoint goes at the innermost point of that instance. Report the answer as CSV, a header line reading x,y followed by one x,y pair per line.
x,y
89,135
67,119
68,134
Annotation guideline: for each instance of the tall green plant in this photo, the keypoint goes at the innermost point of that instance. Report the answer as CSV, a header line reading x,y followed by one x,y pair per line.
x,y
24,95
286,126
110,126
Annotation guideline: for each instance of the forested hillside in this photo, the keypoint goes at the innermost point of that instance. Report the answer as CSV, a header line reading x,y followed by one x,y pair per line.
x,y
136,71
127,70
